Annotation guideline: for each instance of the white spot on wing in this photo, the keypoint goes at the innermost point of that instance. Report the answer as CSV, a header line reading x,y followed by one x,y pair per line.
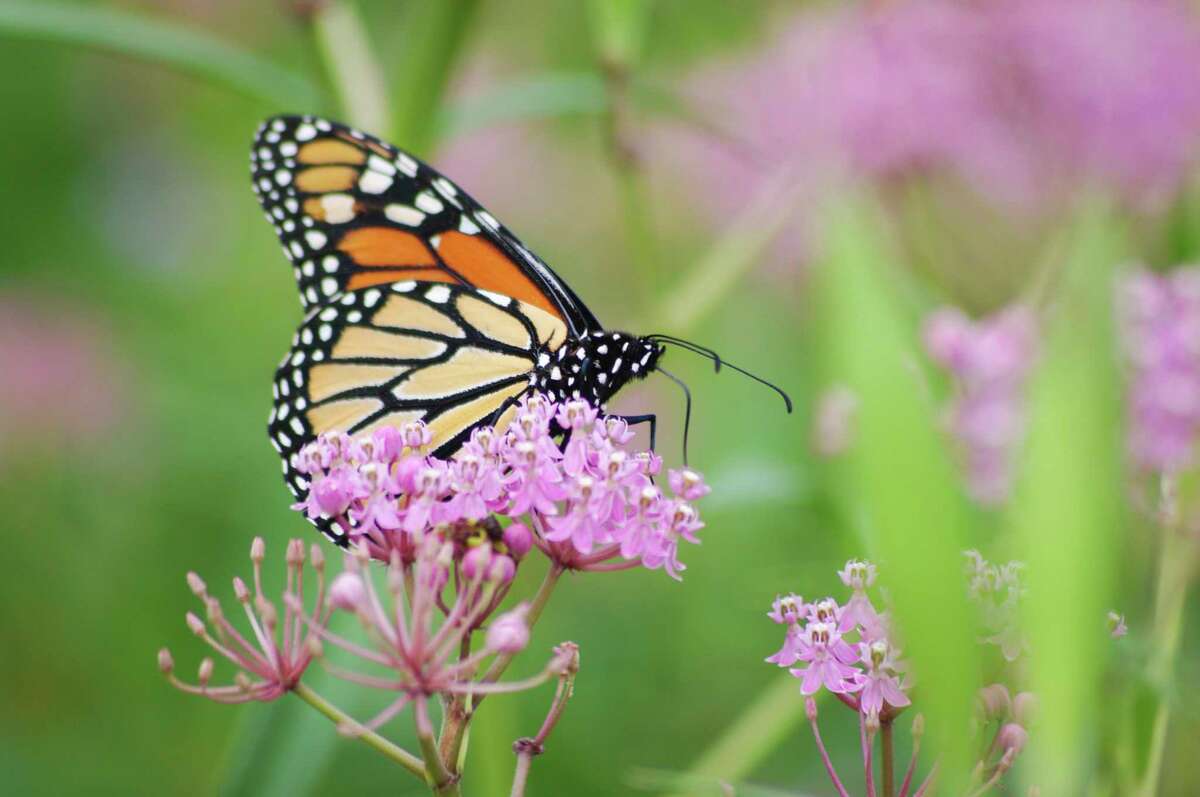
x,y
339,208
404,214
374,183
438,293
498,298
428,202
306,132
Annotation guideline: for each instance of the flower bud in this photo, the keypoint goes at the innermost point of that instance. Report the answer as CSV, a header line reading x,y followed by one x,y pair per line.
x,y
347,592
918,726
240,591
871,723
566,658
509,632
317,557
1025,706
258,550
315,648
204,673
195,624
1012,737
212,607
243,682
501,569
810,709
295,552
166,664
518,539
196,585
994,702
475,561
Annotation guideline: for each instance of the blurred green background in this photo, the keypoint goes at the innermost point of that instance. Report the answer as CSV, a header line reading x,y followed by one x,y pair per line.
x,y
145,303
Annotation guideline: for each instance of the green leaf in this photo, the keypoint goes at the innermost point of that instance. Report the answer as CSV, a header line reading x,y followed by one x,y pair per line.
x,y
750,738
538,97
1067,511
900,480
432,44
358,78
620,28
159,42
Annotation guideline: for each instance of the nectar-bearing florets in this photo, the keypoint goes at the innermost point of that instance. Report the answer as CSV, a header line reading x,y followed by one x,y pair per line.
x,y
559,469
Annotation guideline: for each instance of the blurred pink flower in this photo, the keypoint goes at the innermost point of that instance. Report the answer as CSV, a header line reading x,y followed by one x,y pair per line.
x,y
1024,100
989,361
1160,325
58,373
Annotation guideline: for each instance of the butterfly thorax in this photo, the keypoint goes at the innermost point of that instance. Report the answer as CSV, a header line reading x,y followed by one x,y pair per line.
x,y
595,365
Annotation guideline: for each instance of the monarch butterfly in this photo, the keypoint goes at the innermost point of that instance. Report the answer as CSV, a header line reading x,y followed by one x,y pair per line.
x,y
420,305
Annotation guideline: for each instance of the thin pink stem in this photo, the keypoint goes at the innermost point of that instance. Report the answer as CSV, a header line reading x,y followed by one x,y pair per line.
x,y
395,708
249,657
371,681
833,776
868,747
912,766
266,643
927,784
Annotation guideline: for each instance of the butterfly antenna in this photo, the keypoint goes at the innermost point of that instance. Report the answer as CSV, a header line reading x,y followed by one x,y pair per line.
x,y
687,408
704,351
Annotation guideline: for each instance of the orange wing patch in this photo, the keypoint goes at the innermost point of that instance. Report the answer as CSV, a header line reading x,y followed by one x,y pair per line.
x,y
487,268
323,179
328,150
382,246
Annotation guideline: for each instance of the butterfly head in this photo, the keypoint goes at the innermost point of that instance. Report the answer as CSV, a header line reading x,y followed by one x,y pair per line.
x,y
597,365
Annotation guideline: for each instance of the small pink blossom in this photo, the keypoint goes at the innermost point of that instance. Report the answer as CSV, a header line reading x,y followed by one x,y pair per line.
x,y
881,680
829,659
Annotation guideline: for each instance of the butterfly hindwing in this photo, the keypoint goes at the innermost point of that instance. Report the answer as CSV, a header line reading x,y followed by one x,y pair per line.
x,y
451,356
352,212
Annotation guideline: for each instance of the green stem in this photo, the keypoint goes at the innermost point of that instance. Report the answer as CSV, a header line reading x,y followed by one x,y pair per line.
x,y
1176,561
354,72
737,250
535,611
889,758
457,729
370,738
442,782
433,41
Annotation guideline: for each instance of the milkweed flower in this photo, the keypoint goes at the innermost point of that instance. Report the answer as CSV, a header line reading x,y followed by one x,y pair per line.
x,y
562,470
851,651
273,656
989,362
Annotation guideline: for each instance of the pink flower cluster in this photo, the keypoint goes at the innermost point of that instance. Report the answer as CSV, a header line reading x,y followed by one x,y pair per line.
x,y
1160,320
1023,100
850,650
592,501
989,361
847,649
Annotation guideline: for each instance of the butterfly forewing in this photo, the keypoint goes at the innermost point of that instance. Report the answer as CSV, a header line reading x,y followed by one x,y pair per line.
x,y
352,211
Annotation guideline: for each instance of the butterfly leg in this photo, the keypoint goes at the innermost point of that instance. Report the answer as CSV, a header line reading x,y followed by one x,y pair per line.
x,y
652,419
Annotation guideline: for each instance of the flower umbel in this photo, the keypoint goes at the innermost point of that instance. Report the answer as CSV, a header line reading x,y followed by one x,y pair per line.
x,y
273,656
590,499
